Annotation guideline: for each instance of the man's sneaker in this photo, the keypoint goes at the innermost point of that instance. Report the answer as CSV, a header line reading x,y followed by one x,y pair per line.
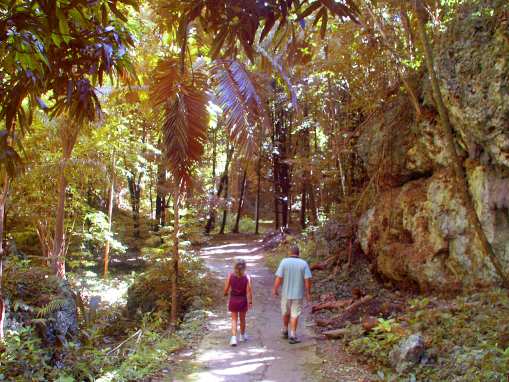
x,y
243,338
294,340
233,341
284,334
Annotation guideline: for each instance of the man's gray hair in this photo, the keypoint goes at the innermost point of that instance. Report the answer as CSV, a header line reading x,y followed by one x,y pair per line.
x,y
294,250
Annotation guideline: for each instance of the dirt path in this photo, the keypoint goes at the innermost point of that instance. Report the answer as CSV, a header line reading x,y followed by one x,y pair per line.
x,y
266,357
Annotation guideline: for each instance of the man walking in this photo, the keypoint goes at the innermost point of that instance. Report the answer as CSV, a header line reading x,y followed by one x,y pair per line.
x,y
295,275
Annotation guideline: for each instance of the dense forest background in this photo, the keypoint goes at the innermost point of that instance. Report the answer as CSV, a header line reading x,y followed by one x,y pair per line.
x,y
374,133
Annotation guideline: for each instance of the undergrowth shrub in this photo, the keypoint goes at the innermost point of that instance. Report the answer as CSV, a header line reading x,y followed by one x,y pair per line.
x,y
23,357
144,344
152,290
466,339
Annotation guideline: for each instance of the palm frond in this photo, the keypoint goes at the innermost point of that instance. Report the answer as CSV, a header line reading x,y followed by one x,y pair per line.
x,y
278,67
166,78
185,116
241,96
349,10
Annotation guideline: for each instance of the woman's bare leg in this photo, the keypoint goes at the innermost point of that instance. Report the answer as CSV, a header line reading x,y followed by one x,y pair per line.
x,y
242,322
234,323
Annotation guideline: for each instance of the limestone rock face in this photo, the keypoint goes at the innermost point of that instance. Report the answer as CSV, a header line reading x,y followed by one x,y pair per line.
x,y
472,60
416,231
419,233
397,148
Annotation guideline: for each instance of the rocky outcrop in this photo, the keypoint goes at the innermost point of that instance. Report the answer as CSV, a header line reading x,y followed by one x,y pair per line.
x,y
472,60
419,232
53,309
417,229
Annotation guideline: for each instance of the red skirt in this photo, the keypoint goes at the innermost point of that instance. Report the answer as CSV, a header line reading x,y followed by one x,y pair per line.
x,y
237,304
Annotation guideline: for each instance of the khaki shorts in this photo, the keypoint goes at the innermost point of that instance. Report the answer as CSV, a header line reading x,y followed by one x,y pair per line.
x,y
291,307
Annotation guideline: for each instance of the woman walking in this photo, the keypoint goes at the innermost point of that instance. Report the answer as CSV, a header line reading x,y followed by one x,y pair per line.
x,y
238,285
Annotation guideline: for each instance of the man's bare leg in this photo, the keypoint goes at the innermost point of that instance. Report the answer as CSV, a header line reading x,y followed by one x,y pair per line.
x,y
294,322
286,322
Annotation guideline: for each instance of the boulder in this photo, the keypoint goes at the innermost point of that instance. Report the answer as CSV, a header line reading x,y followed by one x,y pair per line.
x,y
33,294
407,353
62,322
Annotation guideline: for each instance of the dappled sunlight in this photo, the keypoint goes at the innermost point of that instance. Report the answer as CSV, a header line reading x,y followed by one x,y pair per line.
x,y
233,364
219,324
233,245
264,359
208,251
238,370
215,355
110,291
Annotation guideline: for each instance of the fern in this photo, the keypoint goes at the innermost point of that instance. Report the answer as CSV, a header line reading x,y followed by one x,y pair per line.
x,y
39,321
50,307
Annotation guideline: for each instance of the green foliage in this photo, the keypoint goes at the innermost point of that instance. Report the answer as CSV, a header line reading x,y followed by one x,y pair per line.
x,y
378,343
275,256
27,358
24,358
246,224
152,290
45,52
98,232
50,307
144,353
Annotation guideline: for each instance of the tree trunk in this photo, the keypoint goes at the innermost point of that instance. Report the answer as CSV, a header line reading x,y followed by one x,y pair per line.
x,y
258,182
212,213
303,205
214,155
134,183
164,213
284,175
152,216
305,150
3,200
159,211
283,124
241,202
160,199
58,253
110,218
225,210
289,154
455,161
313,215
275,175
68,132
175,262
